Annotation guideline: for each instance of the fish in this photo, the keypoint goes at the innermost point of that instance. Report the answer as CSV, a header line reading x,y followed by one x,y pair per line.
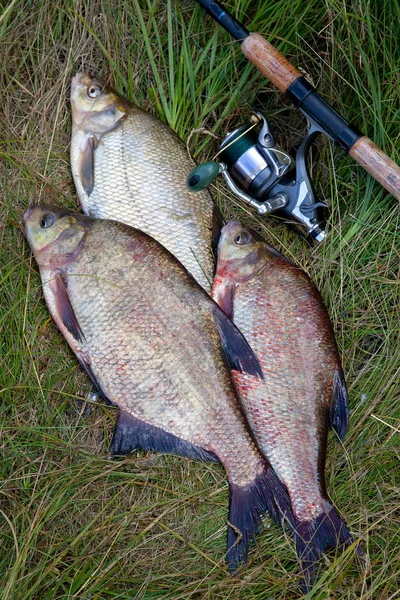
x,y
155,345
282,316
129,166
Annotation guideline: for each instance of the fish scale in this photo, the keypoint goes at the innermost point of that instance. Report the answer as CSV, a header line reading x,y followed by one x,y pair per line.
x,y
133,168
149,337
283,367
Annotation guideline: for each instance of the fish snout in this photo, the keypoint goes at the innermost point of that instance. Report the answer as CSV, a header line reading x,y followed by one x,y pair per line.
x,y
80,80
28,213
74,84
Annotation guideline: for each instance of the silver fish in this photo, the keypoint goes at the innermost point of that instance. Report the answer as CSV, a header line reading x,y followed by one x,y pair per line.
x,y
129,166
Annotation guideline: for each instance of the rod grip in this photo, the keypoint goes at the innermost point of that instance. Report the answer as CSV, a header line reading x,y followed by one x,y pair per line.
x,y
282,74
269,61
380,166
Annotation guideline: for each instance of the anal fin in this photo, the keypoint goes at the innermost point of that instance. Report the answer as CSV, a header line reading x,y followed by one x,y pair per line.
x,y
339,412
133,434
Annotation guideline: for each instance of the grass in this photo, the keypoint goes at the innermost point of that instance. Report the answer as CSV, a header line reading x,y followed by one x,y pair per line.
x,y
76,525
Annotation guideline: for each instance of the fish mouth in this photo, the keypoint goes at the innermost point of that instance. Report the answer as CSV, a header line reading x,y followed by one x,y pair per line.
x,y
29,212
80,78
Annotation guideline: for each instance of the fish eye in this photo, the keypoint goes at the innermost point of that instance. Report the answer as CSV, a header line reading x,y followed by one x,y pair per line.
x,y
47,221
242,238
94,91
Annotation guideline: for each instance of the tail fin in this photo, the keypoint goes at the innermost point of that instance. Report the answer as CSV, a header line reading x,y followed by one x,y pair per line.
x,y
247,506
314,537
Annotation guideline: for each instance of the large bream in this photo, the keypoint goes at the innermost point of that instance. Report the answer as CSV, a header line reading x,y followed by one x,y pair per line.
x,y
280,312
129,166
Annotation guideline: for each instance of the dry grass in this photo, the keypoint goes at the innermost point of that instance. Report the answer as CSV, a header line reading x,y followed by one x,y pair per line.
x,y
76,525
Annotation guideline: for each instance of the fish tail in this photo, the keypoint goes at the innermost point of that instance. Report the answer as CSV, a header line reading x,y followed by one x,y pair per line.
x,y
314,537
246,509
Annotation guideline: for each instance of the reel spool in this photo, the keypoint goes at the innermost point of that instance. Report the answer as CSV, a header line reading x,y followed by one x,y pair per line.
x,y
264,177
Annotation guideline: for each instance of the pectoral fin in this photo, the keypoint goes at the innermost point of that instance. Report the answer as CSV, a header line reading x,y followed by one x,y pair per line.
x,y
237,351
67,318
64,310
86,164
223,293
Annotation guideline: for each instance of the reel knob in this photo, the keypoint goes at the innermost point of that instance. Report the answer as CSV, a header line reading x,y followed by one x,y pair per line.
x,y
201,176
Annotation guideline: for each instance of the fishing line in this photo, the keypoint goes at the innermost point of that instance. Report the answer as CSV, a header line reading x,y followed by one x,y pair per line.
x,y
245,132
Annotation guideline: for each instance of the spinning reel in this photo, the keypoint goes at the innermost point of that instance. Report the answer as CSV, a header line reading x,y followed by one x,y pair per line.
x,y
264,177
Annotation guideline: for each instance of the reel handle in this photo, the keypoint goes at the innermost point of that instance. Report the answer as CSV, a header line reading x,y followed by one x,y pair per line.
x,y
202,176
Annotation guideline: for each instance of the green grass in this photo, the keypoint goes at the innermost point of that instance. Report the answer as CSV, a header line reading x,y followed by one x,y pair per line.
x,y
76,525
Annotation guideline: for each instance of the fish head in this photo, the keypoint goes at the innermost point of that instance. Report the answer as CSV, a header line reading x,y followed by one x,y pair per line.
x,y
54,234
96,107
240,252
237,241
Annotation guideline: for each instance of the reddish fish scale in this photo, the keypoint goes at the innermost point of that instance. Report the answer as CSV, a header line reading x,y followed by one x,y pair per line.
x,y
282,316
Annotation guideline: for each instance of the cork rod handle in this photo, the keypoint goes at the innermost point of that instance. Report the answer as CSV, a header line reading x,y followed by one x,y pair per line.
x,y
272,64
275,67
380,166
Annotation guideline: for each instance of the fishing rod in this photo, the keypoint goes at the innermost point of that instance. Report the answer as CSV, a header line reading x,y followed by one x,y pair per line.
x,y
264,176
